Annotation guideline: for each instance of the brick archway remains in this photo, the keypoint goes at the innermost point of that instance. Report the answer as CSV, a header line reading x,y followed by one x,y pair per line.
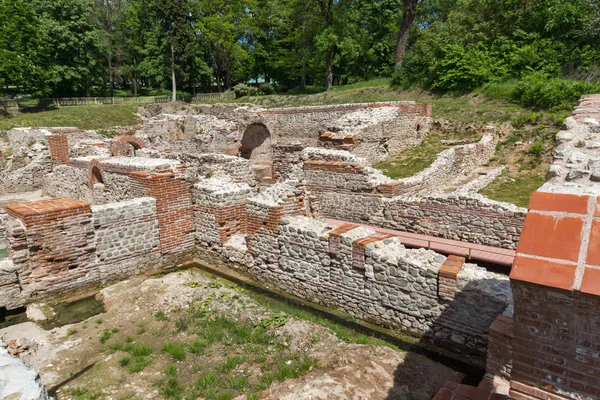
x,y
121,144
96,173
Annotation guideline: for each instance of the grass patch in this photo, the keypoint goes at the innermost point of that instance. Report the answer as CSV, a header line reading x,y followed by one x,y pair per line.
x,y
415,160
105,336
84,117
177,351
515,189
84,394
160,316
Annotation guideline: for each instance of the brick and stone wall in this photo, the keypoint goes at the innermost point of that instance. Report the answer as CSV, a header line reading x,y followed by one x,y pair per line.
x,y
126,236
60,246
555,280
546,348
51,243
379,129
220,209
372,277
341,186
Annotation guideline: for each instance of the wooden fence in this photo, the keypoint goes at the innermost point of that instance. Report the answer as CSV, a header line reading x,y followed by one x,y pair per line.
x,y
82,101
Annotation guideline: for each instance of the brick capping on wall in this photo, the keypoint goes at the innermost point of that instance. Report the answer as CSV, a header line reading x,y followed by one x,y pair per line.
x,y
448,276
556,282
30,213
358,248
568,250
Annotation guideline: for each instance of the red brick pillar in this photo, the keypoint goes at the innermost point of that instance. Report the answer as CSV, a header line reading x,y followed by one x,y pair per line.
x,y
59,149
174,209
55,246
448,276
556,287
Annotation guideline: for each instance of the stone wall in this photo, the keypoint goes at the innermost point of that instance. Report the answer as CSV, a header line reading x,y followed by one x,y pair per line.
x,y
199,166
374,278
466,217
125,230
3,218
24,160
379,129
341,186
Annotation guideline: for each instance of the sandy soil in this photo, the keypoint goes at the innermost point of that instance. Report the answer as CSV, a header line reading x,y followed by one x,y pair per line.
x,y
87,359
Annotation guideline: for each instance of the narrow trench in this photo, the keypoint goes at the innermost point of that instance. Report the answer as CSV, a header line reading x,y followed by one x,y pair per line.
x,y
473,373
82,309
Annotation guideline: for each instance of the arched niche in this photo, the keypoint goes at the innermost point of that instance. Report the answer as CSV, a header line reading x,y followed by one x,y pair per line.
x,y
256,144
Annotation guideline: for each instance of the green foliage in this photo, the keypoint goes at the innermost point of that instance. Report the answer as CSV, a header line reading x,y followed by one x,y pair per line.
x,y
458,46
266,89
537,148
177,351
540,90
105,336
243,90
161,316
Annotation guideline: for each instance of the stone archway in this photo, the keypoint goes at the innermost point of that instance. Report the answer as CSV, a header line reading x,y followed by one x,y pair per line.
x,y
95,173
126,146
256,144
256,147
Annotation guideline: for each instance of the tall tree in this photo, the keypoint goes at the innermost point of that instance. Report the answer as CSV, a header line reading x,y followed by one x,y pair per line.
x,y
326,7
108,15
176,21
21,61
408,17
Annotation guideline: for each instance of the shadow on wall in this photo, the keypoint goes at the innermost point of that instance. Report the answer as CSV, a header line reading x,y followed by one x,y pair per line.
x,y
256,144
413,381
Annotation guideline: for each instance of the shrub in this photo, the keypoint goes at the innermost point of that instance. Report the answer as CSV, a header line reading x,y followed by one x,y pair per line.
x,y
243,90
266,89
537,148
539,90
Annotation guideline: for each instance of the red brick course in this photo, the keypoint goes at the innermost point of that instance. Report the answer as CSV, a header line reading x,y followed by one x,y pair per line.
x,y
119,147
59,149
448,275
556,289
174,208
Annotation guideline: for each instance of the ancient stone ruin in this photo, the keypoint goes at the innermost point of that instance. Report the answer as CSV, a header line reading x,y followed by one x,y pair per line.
x,y
289,197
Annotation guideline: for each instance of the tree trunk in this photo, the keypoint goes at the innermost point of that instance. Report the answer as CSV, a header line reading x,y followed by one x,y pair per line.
x,y
410,11
174,85
228,78
134,76
110,70
303,79
329,62
6,83
218,75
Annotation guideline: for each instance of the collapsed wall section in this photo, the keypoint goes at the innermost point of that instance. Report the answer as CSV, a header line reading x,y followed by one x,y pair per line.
x,y
341,186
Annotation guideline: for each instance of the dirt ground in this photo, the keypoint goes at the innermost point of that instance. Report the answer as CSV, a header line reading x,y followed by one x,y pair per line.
x,y
186,335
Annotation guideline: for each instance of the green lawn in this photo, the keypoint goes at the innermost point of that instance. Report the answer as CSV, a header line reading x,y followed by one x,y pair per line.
x,y
84,117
